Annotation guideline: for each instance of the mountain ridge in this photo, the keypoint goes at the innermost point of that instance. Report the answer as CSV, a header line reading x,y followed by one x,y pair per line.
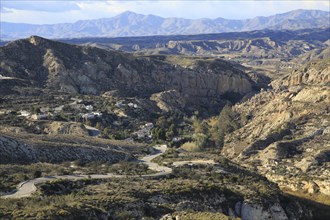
x,y
89,70
133,24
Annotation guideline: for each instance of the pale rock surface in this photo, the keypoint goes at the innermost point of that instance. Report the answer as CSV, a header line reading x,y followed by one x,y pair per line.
x,y
285,135
66,128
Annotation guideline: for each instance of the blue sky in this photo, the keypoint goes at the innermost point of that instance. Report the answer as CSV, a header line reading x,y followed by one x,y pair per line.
x,y
50,12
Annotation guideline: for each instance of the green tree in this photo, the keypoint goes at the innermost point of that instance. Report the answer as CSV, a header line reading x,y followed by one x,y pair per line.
x,y
35,110
217,137
159,133
171,132
67,108
201,127
37,174
226,123
228,120
201,135
162,122
201,140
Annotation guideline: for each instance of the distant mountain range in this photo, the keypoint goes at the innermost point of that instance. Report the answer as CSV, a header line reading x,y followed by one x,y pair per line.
x,y
133,24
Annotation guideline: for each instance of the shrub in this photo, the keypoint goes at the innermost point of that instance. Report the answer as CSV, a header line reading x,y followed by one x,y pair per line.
x,y
37,174
190,146
201,140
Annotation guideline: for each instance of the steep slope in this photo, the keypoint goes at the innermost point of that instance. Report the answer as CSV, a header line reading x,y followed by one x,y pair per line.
x,y
286,135
29,149
88,70
132,24
313,73
13,151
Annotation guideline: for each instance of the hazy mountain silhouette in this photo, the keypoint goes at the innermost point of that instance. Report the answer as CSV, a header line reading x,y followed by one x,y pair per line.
x,y
133,24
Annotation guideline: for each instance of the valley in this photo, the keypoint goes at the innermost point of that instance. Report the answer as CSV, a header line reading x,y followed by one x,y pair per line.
x,y
231,125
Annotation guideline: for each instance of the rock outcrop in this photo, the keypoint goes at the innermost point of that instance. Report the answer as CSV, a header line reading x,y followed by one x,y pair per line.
x,y
313,73
257,211
169,101
57,154
285,131
15,151
88,70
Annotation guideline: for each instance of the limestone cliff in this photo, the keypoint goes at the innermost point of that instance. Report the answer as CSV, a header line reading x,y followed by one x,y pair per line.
x,y
88,70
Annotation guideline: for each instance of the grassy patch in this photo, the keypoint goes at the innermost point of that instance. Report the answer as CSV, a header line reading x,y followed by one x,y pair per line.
x,y
191,147
201,216
317,197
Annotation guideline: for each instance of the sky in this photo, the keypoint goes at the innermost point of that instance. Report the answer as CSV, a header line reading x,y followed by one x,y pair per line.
x,y
66,11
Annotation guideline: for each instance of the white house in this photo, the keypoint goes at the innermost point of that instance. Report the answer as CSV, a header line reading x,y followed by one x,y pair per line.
x,y
89,107
132,105
25,113
59,108
98,114
44,109
39,116
141,134
149,125
92,115
88,116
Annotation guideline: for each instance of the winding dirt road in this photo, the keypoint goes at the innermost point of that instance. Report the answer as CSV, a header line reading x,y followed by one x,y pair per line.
x,y
27,188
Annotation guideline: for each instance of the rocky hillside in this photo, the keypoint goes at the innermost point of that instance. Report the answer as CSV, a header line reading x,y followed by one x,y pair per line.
x,y
169,101
316,54
283,41
89,70
273,49
255,48
285,133
13,151
313,73
56,149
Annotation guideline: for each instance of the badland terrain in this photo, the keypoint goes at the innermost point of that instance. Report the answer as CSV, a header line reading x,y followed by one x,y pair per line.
x,y
209,126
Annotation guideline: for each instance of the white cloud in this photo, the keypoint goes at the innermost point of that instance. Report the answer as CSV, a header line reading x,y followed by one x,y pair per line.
x,y
69,11
43,5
